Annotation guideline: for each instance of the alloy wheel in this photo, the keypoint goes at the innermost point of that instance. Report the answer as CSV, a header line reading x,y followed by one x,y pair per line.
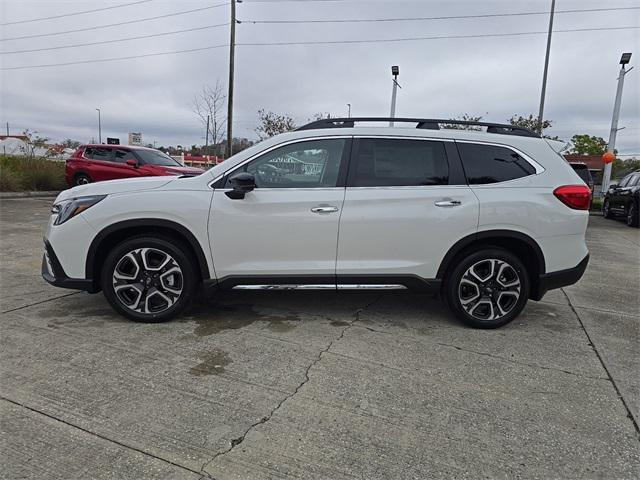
x,y
489,289
147,280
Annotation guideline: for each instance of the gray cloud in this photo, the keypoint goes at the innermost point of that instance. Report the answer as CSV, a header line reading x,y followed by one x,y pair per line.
x,y
493,77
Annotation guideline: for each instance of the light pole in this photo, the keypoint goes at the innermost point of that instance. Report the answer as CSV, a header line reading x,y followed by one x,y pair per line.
x,y
395,71
99,127
546,68
606,176
349,106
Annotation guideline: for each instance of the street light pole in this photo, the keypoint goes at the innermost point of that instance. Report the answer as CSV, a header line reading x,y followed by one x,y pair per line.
x,y
606,176
232,53
395,71
349,106
99,127
546,68
206,136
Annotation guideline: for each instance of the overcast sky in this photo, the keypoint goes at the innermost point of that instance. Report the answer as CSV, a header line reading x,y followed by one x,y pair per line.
x,y
495,77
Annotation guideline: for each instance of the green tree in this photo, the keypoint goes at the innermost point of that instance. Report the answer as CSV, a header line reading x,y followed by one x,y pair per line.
x,y
586,145
620,168
273,124
531,123
68,143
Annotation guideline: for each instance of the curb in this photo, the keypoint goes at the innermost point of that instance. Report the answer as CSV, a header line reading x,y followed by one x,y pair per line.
x,y
9,195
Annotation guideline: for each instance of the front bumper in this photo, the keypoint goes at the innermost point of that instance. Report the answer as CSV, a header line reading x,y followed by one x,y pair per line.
x,y
53,273
561,278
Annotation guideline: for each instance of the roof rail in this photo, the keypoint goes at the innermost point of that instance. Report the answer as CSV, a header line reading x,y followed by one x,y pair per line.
x,y
424,123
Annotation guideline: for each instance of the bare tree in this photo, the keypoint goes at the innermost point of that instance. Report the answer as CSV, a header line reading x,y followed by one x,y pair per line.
x,y
210,103
34,143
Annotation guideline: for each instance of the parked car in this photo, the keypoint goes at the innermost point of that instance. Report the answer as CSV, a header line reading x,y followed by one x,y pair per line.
x,y
94,163
487,219
623,199
583,172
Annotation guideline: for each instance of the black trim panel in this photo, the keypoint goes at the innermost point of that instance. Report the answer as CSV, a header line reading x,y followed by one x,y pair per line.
x,y
412,282
487,234
561,278
147,222
59,277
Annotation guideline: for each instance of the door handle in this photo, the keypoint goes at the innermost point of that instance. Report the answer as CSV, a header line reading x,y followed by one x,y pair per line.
x,y
324,209
448,203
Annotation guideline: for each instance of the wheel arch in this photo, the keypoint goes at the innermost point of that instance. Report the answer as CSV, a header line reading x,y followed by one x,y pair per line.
x,y
110,236
518,243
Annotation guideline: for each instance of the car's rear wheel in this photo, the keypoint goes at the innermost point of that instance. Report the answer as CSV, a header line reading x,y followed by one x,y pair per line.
x,y
606,209
81,179
633,215
488,288
149,279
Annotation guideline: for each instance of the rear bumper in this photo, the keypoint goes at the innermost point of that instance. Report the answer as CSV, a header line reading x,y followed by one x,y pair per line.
x,y
53,273
561,278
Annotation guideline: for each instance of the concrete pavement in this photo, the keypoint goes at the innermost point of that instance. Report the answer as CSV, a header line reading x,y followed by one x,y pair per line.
x,y
253,385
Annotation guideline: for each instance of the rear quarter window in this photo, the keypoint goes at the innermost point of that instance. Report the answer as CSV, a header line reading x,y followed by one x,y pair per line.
x,y
485,164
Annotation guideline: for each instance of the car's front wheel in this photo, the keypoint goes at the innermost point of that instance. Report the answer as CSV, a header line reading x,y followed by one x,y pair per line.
x,y
149,279
488,288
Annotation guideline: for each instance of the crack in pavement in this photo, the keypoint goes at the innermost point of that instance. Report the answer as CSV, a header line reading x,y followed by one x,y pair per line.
x,y
41,301
237,441
102,437
604,366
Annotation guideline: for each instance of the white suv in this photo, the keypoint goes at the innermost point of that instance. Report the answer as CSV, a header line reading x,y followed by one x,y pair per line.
x,y
489,219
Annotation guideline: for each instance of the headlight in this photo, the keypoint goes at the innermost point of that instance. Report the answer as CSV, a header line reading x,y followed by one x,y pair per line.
x,y
70,208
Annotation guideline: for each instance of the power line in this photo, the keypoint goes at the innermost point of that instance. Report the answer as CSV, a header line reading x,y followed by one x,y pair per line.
x,y
410,39
75,13
131,57
129,22
321,42
414,19
116,40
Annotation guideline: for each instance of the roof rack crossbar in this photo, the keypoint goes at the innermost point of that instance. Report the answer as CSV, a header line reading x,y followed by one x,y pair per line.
x,y
424,123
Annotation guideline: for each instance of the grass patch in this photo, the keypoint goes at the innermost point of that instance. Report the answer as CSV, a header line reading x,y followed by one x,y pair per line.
x,y
19,174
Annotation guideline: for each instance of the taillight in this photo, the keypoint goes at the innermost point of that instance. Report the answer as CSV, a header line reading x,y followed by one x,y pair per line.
x,y
577,197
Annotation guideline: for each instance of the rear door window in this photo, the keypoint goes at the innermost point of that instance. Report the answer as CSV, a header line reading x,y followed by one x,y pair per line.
x,y
384,162
98,153
485,164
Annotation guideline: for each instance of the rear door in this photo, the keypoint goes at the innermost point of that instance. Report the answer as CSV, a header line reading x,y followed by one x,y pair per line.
x,y
406,204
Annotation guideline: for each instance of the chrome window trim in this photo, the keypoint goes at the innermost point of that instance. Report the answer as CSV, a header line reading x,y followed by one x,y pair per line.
x,y
270,149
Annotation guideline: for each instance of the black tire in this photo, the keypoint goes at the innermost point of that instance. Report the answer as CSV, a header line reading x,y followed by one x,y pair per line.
x,y
81,179
633,214
157,300
606,209
490,295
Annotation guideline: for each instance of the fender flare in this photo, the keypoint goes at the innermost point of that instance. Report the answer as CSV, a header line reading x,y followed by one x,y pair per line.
x,y
147,222
487,235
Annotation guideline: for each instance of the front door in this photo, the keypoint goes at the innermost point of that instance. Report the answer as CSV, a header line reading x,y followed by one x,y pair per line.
x,y
406,204
286,229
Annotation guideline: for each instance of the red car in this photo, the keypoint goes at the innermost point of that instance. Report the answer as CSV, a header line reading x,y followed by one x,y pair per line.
x,y
94,163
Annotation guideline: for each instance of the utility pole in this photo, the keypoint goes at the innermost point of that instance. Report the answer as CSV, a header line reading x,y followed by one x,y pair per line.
x,y
395,71
99,127
606,176
546,68
349,114
206,136
232,52
7,129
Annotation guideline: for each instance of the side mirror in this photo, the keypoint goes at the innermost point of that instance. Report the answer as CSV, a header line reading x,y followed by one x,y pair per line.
x,y
242,183
132,163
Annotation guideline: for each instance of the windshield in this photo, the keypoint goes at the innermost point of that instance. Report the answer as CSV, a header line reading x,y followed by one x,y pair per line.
x,y
155,157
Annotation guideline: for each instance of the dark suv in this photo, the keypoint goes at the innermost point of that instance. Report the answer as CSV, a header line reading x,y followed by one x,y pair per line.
x,y
624,199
